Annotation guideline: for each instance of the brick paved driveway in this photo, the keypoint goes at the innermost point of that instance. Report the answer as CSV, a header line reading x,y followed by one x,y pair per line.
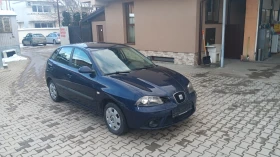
x,y
235,117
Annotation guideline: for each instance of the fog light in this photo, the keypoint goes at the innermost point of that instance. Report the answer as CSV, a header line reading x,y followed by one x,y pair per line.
x,y
153,123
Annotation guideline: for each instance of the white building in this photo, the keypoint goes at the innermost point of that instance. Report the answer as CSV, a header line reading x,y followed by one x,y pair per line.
x,y
9,38
34,13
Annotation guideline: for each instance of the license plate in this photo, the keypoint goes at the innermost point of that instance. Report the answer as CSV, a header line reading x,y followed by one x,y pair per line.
x,y
181,109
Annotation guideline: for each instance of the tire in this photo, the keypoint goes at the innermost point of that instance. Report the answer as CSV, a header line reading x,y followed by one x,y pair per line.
x,y
44,44
54,42
53,92
114,119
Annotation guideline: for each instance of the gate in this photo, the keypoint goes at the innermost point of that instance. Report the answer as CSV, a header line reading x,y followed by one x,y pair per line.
x,y
80,34
75,34
86,32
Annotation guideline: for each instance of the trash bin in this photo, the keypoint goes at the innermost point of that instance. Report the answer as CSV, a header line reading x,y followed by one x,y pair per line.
x,y
214,52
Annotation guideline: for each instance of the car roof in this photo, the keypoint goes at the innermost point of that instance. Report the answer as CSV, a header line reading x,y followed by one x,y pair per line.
x,y
95,45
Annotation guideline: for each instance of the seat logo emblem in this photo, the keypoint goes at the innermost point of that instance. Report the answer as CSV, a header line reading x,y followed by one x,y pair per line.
x,y
181,97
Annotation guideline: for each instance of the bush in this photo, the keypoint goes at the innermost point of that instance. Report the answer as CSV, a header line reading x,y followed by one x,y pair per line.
x,y
66,18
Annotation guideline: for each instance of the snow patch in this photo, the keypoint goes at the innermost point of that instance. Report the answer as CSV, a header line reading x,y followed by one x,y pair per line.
x,y
15,57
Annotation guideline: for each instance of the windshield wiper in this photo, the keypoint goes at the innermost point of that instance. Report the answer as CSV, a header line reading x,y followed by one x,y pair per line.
x,y
118,72
145,67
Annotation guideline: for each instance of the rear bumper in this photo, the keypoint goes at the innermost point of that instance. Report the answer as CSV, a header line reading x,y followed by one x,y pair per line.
x,y
161,116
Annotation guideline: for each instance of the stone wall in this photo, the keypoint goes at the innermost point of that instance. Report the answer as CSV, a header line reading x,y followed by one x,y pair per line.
x,y
179,57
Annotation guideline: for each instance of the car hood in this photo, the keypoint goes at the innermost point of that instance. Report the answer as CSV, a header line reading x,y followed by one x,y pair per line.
x,y
157,81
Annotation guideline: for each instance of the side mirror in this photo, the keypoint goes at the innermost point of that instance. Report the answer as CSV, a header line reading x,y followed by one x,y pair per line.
x,y
86,69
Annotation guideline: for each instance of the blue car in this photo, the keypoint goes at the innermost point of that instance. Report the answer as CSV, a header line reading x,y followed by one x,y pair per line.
x,y
121,84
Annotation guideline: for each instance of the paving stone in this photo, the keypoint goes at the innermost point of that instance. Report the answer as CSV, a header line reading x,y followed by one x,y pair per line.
x,y
213,149
236,116
252,151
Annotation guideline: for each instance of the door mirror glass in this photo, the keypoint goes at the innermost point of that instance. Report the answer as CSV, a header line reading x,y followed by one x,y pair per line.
x,y
86,69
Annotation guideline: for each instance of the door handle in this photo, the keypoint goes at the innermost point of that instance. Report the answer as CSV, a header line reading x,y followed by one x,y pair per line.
x,y
69,75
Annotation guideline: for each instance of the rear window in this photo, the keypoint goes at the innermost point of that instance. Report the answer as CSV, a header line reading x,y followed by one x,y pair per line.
x,y
38,35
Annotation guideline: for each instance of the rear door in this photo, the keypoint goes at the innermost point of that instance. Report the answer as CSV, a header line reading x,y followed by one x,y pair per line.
x,y
83,85
60,71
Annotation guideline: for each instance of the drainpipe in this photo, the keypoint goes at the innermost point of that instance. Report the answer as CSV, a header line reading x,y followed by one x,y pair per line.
x,y
223,33
257,30
200,31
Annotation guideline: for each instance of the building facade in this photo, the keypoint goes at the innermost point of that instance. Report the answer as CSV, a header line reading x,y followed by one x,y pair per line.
x,y
181,30
34,13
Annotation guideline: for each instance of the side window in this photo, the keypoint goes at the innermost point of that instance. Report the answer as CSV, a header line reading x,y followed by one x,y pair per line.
x,y
64,55
131,55
54,55
80,59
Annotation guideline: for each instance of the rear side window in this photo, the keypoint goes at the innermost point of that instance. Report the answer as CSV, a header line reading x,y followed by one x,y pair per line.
x,y
55,54
63,56
80,58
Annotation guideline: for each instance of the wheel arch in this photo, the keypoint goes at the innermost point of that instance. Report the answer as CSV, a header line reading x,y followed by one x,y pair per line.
x,y
104,102
48,80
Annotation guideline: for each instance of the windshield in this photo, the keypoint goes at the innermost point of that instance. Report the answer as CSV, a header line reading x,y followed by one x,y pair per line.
x,y
120,59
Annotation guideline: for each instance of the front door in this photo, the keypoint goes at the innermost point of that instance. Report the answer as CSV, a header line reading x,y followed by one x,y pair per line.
x,y
28,39
49,38
82,84
100,36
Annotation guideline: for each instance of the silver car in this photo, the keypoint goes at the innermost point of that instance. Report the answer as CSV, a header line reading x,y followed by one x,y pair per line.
x,y
34,39
53,38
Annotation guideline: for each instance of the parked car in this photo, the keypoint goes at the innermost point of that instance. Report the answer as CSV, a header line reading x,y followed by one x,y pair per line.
x,y
121,84
34,39
53,38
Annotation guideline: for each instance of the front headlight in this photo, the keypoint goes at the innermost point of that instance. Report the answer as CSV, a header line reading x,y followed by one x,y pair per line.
x,y
190,87
149,101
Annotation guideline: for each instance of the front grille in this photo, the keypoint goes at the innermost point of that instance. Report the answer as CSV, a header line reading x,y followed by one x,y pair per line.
x,y
182,108
179,97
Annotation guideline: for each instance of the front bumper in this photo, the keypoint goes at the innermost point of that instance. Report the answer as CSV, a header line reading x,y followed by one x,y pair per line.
x,y
160,116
